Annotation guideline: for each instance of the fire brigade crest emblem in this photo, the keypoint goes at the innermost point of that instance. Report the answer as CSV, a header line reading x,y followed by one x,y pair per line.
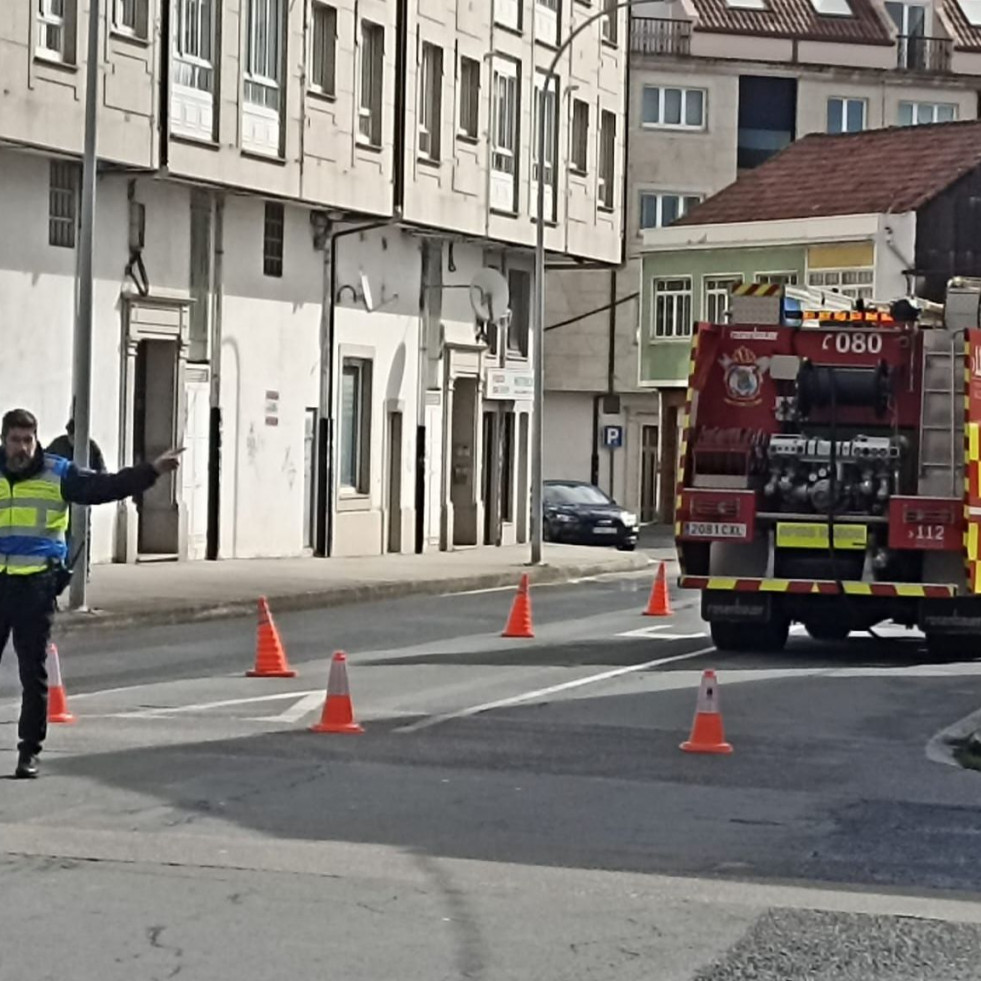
x,y
743,376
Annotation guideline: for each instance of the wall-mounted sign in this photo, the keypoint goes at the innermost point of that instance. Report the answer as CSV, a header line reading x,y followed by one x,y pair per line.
x,y
272,408
613,437
513,384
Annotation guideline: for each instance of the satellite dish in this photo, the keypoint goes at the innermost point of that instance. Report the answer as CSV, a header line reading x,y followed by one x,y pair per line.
x,y
489,295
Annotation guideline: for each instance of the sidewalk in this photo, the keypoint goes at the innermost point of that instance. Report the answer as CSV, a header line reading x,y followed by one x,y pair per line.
x,y
179,592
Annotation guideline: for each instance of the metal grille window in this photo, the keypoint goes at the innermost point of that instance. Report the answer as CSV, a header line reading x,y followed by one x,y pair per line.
x,y
55,29
131,17
355,411
672,308
846,115
921,113
658,210
372,78
265,53
608,25
579,151
854,283
545,102
323,57
63,204
430,101
194,44
469,98
607,158
505,123
718,293
670,107
776,278
274,228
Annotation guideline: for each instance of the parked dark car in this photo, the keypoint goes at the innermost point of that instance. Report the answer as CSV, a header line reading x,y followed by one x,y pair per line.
x,y
578,513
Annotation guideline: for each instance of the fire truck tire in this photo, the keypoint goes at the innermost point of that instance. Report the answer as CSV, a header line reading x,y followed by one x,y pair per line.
x,y
829,633
946,647
750,637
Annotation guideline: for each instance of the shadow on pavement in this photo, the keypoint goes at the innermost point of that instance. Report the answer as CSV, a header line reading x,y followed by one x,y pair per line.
x,y
600,783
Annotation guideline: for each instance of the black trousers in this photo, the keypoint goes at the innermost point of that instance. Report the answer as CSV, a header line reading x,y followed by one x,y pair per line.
x,y
27,605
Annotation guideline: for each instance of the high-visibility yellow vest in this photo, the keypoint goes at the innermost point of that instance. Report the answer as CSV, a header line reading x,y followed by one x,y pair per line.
x,y
33,520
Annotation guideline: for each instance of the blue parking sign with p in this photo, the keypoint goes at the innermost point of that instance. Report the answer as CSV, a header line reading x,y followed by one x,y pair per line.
x,y
613,437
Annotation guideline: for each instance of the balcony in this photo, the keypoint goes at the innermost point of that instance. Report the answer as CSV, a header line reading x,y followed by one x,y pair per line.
x,y
659,36
915,53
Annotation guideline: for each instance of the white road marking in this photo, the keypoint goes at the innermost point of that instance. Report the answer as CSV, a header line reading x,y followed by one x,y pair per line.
x,y
305,705
164,711
655,633
529,696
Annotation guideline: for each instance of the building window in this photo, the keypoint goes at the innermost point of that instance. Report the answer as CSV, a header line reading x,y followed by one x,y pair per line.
x,y
372,81
355,449
272,240
658,210
193,45
504,140
547,21
776,278
607,159
718,292
519,287
507,13
264,57
846,115
131,17
430,101
507,467
854,283
608,25
678,108
56,30
579,151
672,308
469,98
918,113
323,57
63,204
545,102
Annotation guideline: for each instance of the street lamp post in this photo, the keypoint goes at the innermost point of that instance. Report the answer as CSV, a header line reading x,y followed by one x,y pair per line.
x,y
537,422
82,347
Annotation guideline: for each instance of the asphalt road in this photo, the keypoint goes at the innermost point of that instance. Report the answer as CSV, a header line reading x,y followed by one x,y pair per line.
x,y
514,809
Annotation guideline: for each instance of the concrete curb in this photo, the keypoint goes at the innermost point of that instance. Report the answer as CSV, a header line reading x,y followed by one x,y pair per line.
x,y
179,612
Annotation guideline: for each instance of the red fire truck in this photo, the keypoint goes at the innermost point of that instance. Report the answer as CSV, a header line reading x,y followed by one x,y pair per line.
x,y
829,470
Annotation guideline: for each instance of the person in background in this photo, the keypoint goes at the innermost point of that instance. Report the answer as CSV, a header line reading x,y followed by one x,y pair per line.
x,y
64,446
35,491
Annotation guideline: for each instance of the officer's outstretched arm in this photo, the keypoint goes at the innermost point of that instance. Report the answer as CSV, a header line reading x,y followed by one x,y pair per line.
x,y
89,487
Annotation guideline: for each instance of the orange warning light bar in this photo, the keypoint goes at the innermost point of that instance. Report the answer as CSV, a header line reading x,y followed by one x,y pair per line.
x,y
849,317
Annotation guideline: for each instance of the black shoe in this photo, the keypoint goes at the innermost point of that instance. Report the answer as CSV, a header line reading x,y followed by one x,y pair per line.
x,y
26,767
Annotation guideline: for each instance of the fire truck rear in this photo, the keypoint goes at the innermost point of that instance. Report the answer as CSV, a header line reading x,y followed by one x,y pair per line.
x,y
829,468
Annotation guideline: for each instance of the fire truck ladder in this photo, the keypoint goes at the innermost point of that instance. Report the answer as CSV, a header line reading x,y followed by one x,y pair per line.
x,y
941,417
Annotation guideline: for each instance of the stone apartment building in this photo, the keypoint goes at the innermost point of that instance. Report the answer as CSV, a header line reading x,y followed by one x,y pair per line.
x,y
293,199
716,88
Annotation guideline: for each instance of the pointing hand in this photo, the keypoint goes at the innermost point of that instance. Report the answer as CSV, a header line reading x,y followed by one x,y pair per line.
x,y
168,462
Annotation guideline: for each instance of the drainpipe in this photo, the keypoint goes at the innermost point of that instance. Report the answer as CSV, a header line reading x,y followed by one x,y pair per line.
x,y
165,56
399,140
323,546
213,545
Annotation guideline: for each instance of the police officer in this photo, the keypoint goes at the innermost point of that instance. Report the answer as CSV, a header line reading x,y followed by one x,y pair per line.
x,y
35,492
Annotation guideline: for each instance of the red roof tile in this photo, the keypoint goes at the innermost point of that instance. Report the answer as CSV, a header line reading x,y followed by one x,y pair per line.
x,y
966,36
878,171
796,19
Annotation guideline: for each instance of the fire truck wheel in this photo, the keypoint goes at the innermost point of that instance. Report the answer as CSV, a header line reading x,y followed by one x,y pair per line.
x,y
947,647
829,633
755,637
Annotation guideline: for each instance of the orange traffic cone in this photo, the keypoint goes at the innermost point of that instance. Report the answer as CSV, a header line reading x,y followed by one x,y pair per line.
x,y
270,657
57,700
659,605
707,735
519,622
338,714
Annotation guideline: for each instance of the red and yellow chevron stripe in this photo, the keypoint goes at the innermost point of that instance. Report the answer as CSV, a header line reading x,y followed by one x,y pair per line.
x,y
820,587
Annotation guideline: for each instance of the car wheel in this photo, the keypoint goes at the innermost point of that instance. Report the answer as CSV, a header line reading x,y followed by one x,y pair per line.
x,y
627,547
